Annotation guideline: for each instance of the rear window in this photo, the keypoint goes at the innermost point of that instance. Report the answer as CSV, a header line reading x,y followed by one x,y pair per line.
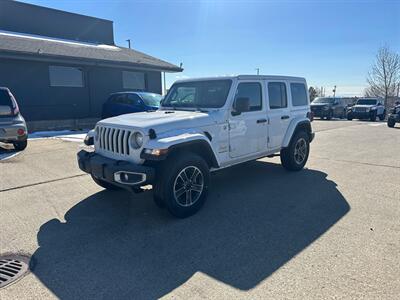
x,y
299,94
5,99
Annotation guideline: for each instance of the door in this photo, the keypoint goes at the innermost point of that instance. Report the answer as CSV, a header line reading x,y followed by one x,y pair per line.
x,y
248,131
279,112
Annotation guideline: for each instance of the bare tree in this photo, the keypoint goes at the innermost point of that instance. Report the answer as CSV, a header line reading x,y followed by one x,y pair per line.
x,y
315,92
384,77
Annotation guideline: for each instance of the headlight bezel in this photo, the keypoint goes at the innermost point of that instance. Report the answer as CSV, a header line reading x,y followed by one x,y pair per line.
x,y
136,140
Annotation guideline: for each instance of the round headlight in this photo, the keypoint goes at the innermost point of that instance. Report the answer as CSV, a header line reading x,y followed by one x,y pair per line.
x,y
137,140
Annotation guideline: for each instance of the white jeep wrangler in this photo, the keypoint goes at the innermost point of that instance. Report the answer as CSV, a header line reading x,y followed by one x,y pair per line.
x,y
203,125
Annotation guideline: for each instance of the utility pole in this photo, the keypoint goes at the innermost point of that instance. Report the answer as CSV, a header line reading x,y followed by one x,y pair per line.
x,y
258,71
334,91
165,85
129,43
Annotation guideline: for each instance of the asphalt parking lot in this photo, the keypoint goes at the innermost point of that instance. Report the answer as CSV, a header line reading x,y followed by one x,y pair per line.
x,y
329,231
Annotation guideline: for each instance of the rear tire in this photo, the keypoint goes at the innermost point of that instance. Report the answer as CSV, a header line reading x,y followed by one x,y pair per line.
x,y
294,157
20,145
330,115
183,184
349,117
105,184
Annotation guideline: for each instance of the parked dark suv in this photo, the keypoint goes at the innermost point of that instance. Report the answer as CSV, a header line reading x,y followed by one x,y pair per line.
x,y
329,107
130,102
394,116
12,124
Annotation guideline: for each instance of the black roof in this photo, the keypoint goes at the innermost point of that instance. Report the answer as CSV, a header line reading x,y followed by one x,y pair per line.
x,y
40,47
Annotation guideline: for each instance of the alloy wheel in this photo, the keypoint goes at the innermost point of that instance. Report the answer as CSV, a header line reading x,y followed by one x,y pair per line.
x,y
300,151
188,186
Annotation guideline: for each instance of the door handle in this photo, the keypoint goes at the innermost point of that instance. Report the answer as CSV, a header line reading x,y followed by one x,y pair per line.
x,y
261,121
285,117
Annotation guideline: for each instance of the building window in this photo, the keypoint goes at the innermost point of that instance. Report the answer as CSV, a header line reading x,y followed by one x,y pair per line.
x,y
133,80
277,95
65,76
299,94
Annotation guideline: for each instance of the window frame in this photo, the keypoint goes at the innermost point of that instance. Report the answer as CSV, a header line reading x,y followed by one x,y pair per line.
x,y
51,68
285,83
123,72
259,83
336,100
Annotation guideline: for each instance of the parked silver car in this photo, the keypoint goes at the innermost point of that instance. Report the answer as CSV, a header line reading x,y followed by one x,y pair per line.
x,y
12,124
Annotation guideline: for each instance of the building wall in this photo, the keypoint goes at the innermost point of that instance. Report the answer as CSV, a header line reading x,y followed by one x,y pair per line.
x,y
32,19
29,82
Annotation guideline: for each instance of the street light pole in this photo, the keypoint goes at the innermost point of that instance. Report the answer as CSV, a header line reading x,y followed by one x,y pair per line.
x,y
258,71
129,43
334,91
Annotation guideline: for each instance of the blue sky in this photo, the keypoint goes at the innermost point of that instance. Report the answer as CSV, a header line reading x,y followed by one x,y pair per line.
x,y
328,42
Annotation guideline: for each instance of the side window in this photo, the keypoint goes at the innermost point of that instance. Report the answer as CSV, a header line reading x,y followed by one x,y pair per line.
x,y
277,95
252,91
133,80
299,94
65,76
133,99
119,99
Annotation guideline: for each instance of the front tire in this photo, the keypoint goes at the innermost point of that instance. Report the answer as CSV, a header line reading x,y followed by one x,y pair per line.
x,y
373,117
349,117
20,145
382,116
105,184
183,184
330,115
294,157
391,122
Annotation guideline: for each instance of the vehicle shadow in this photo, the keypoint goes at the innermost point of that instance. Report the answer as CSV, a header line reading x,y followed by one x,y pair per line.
x,y
257,218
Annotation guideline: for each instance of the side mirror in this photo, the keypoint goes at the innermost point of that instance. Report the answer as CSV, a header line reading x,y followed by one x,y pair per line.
x,y
242,104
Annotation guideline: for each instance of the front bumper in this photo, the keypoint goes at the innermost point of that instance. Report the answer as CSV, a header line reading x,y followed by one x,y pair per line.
x,y
118,172
320,113
395,117
361,115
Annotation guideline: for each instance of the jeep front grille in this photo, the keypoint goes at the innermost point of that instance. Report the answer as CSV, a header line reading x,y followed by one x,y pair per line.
x,y
361,109
113,140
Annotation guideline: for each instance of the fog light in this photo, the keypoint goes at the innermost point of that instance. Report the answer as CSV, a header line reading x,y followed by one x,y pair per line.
x,y
21,131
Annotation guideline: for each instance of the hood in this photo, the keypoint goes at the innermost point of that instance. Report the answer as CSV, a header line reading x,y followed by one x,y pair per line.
x,y
161,120
319,104
364,105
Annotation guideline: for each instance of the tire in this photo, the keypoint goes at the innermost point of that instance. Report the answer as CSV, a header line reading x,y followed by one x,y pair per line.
x,y
176,188
373,117
105,184
382,116
21,145
330,115
291,159
349,117
391,122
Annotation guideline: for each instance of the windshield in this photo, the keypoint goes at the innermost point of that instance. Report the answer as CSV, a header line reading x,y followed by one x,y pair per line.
x,y
199,94
324,100
151,99
366,102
